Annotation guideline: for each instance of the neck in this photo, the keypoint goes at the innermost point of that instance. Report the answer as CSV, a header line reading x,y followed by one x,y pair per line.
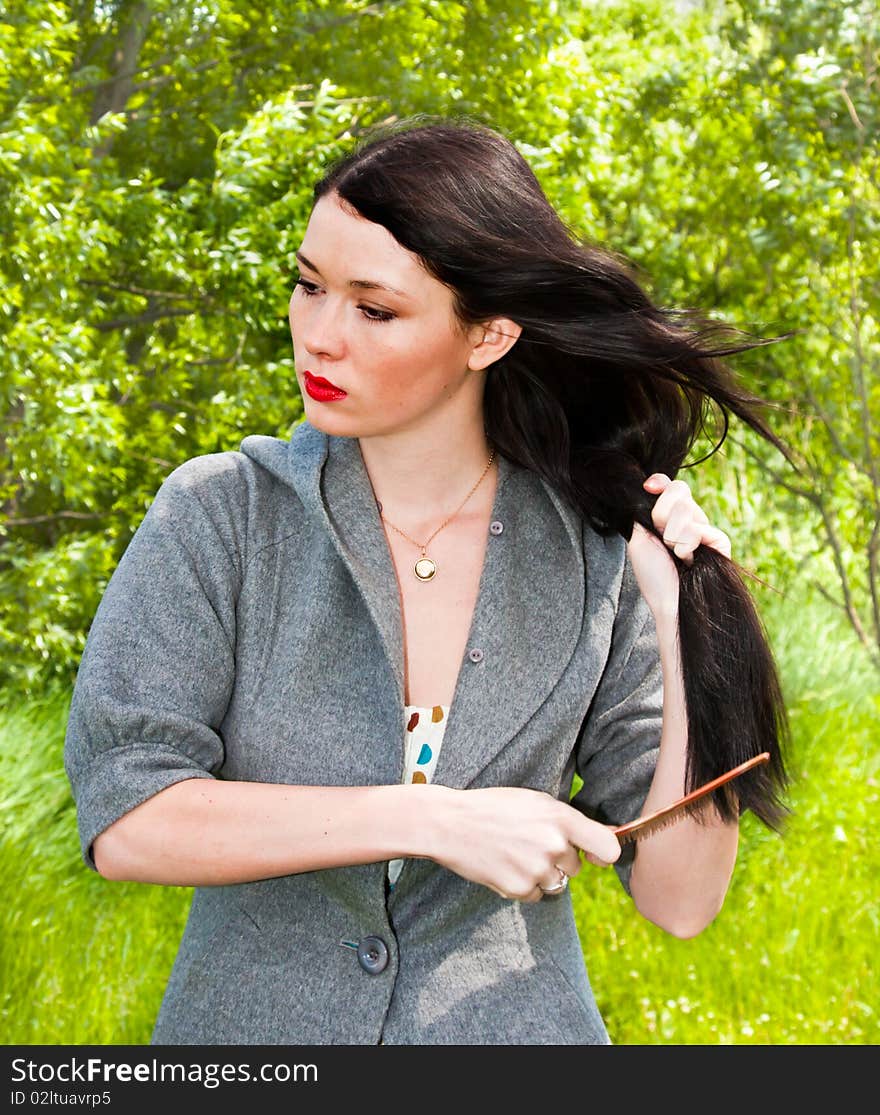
x,y
417,478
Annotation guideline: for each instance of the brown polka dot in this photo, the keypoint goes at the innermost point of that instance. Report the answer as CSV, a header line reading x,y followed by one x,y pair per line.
x,y
419,776
413,720
437,714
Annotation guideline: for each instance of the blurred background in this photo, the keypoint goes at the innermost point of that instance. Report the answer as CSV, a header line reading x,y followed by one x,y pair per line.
x,y
156,166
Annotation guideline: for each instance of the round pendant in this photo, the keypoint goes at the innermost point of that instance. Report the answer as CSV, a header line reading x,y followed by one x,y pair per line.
x,y
425,569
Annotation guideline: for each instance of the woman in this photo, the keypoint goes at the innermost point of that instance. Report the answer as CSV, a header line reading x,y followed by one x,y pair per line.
x,y
341,685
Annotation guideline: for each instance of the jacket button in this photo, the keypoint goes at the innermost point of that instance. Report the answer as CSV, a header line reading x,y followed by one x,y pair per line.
x,y
475,654
373,955
496,527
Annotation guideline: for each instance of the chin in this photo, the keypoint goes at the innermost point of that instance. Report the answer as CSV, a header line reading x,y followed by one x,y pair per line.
x,y
322,417
331,419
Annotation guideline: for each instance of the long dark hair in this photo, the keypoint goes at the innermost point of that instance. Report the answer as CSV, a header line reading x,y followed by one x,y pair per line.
x,y
602,388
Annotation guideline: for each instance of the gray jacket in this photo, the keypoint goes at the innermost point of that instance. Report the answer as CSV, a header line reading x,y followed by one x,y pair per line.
x,y
252,630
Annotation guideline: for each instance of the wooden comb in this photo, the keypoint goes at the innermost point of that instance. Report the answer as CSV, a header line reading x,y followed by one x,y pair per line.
x,y
650,823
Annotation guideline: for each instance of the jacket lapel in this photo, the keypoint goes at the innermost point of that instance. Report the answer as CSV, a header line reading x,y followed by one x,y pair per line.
x,y
356,528
527,619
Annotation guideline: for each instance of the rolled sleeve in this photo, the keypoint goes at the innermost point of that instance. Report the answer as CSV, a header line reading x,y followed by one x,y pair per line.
x,y
157,672
619,743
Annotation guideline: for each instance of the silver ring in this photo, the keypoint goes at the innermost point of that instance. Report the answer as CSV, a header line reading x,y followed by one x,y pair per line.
x,y
560,886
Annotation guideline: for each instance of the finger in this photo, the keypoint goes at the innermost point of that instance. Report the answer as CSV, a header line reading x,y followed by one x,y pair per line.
x,y
656,482
554,883
681,534
675,492
534,895
598,842
596,860
570,862
683,542
687,510
566,866
681,525
716,539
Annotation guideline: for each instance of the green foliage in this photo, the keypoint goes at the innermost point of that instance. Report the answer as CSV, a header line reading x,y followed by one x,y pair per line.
x,y
156,166
154,187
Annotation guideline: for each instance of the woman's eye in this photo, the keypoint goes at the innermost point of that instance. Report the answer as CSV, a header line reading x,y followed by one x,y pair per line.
x,y
369,312
372,314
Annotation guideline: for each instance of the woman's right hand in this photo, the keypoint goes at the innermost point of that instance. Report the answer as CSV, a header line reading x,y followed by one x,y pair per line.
x,y
514,841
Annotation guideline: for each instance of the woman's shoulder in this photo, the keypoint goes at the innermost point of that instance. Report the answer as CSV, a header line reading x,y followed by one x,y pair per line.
x,y
209,470
227,496
222,484
263,467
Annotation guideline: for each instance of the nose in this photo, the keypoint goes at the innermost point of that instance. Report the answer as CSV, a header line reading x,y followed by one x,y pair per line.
x,y
318,326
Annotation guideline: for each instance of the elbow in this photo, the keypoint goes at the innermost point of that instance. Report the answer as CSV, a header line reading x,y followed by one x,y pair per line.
x,y
126,851
687,930
108,856
678,921
683,905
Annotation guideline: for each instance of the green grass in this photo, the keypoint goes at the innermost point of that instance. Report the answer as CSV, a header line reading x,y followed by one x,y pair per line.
x,y
82,961
789,960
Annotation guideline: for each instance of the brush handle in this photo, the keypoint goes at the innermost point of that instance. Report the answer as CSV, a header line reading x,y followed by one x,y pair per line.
x,y
670,812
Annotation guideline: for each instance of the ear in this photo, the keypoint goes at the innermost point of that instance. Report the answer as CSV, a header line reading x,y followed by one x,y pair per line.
x,y
493,339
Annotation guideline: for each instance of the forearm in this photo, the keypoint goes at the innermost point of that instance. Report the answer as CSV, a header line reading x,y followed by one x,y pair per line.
x,y
207,832
681,874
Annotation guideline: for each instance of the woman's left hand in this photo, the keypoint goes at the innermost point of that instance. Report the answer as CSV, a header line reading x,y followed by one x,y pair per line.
x,y
684,526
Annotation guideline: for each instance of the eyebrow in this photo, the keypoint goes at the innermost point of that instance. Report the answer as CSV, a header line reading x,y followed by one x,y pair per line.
x,y
361,284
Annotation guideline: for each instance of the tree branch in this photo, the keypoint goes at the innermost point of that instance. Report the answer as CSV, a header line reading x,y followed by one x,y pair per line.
x,y
128,73
208,361
802,493
145,318
34,520
818,502
837,553
859,360
142,292
851,108
114,96
833,434
874,577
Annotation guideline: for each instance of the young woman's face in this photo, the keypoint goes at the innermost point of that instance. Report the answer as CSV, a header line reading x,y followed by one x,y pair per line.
x,y
394,351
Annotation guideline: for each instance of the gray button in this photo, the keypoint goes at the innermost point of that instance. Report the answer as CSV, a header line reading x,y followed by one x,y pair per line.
x,y
373,955
496,527
475,654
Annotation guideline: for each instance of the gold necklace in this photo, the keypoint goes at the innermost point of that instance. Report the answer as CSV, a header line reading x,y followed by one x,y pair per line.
x,y
426,567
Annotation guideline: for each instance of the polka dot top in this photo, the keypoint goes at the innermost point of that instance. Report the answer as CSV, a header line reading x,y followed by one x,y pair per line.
x,y
424,735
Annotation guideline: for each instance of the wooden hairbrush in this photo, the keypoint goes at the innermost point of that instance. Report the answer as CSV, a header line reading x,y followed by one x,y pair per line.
x,y
650,823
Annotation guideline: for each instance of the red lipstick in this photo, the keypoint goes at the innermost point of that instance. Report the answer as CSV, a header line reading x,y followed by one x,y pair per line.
x,y
322,389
